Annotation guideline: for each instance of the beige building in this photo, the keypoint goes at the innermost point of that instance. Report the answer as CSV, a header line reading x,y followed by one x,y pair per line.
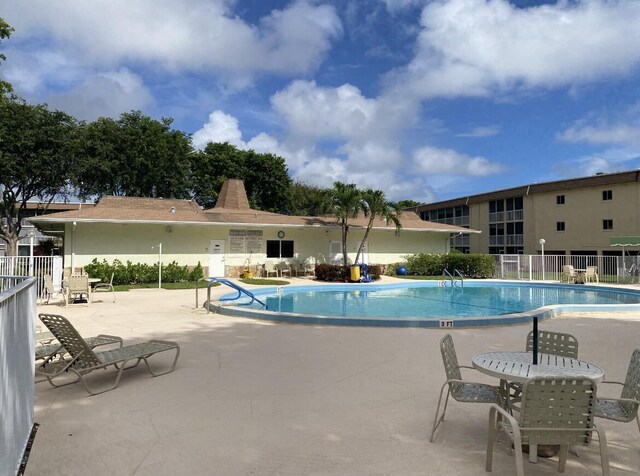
x,y
230,237
573,217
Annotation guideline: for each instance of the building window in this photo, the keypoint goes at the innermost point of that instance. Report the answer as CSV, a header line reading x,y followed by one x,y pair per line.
x,y
607,195
559,199
607,224
559,226
279,249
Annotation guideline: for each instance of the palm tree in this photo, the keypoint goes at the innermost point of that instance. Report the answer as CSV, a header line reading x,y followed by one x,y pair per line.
x,y
375,205
346,202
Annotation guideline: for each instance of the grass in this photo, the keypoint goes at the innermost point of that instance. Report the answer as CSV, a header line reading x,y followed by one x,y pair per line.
x,y
192,285
264,282
183,285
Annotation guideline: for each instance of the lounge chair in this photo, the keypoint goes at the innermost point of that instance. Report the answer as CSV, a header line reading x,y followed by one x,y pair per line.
x,y
51,354
105,287
625,408
83,360
460,390
554,412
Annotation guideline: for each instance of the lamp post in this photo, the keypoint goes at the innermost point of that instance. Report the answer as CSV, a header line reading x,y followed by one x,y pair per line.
x,y
542,242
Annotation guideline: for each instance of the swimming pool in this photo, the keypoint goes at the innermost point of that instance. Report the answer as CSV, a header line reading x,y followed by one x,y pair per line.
x,y
428,304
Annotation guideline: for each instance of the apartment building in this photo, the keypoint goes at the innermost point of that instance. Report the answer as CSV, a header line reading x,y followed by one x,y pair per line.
x,y
573,217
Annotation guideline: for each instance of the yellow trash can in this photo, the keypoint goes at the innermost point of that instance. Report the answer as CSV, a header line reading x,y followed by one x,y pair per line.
x,y
355,272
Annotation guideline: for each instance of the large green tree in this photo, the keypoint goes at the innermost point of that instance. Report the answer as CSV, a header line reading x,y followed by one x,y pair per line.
x,y
308,200
37,160
375,205
134,155
5,32
266,178
346,203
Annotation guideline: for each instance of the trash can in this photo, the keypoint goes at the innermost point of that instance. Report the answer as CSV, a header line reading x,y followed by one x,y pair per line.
x,y
355,273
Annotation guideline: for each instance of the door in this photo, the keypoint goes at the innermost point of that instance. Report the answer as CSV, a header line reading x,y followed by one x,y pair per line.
x,y
216,258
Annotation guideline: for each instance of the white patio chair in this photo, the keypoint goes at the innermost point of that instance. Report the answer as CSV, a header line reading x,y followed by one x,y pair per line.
x,y
283,268
460,390
568,273
554,412
591,274
106,287
270,269
625,408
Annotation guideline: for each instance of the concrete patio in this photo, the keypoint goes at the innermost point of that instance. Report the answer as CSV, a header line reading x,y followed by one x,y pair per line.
x,y
256,398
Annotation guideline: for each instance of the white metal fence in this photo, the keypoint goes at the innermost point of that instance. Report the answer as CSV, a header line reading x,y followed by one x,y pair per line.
x,y
611,269
36,266
17,318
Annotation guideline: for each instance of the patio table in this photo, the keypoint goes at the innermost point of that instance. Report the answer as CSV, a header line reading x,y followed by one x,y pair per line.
x,y
519,367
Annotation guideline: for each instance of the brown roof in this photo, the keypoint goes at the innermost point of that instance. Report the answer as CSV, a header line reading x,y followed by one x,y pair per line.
x,y
545,187
232,208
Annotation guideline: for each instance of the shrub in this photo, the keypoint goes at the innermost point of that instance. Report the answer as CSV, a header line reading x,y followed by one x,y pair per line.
x,y
140,273
471,265
338,273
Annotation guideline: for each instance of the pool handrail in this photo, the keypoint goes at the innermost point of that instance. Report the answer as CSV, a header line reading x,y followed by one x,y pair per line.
x,y
459,273
232,285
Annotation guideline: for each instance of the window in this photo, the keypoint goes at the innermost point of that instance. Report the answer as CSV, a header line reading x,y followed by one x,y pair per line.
x,y
279,249
607,224
559,226
607,195
560,200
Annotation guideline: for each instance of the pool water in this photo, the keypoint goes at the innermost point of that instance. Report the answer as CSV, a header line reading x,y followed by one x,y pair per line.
x,y
424,300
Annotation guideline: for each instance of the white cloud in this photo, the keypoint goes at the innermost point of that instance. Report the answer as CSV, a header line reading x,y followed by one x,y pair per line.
x,y
180,34
436,161
106,94
318,112
481,131
220,127
477,47
621,134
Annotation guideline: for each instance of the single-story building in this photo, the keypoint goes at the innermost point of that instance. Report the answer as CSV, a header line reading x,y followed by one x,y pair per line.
x,y
229,237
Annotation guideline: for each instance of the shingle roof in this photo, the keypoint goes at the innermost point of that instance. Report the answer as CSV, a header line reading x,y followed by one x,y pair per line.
x,y
232,208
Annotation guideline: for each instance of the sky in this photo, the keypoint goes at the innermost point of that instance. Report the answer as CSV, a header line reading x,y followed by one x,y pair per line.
x,y
424,100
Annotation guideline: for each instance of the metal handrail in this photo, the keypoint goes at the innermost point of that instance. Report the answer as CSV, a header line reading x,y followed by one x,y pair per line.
x,y
456,271
232,285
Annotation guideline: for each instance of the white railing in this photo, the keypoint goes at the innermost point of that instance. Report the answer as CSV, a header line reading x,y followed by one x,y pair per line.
x,y
17,317
33,266
611,269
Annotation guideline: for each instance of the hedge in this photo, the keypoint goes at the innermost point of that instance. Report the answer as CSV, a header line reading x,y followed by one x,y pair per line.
x,y
139,273
470,265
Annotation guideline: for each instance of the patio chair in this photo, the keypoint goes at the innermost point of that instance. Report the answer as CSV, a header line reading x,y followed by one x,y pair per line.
x,y
568,273
83,360
554,412
49,288
549,342
77,287
625,408
556,343
283,268
460,390
106,287
270,269
591,274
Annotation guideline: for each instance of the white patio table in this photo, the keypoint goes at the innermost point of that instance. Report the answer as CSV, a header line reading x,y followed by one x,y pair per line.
x,y
519,367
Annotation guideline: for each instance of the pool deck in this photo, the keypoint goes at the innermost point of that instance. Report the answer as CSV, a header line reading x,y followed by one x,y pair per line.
x,y
257,398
